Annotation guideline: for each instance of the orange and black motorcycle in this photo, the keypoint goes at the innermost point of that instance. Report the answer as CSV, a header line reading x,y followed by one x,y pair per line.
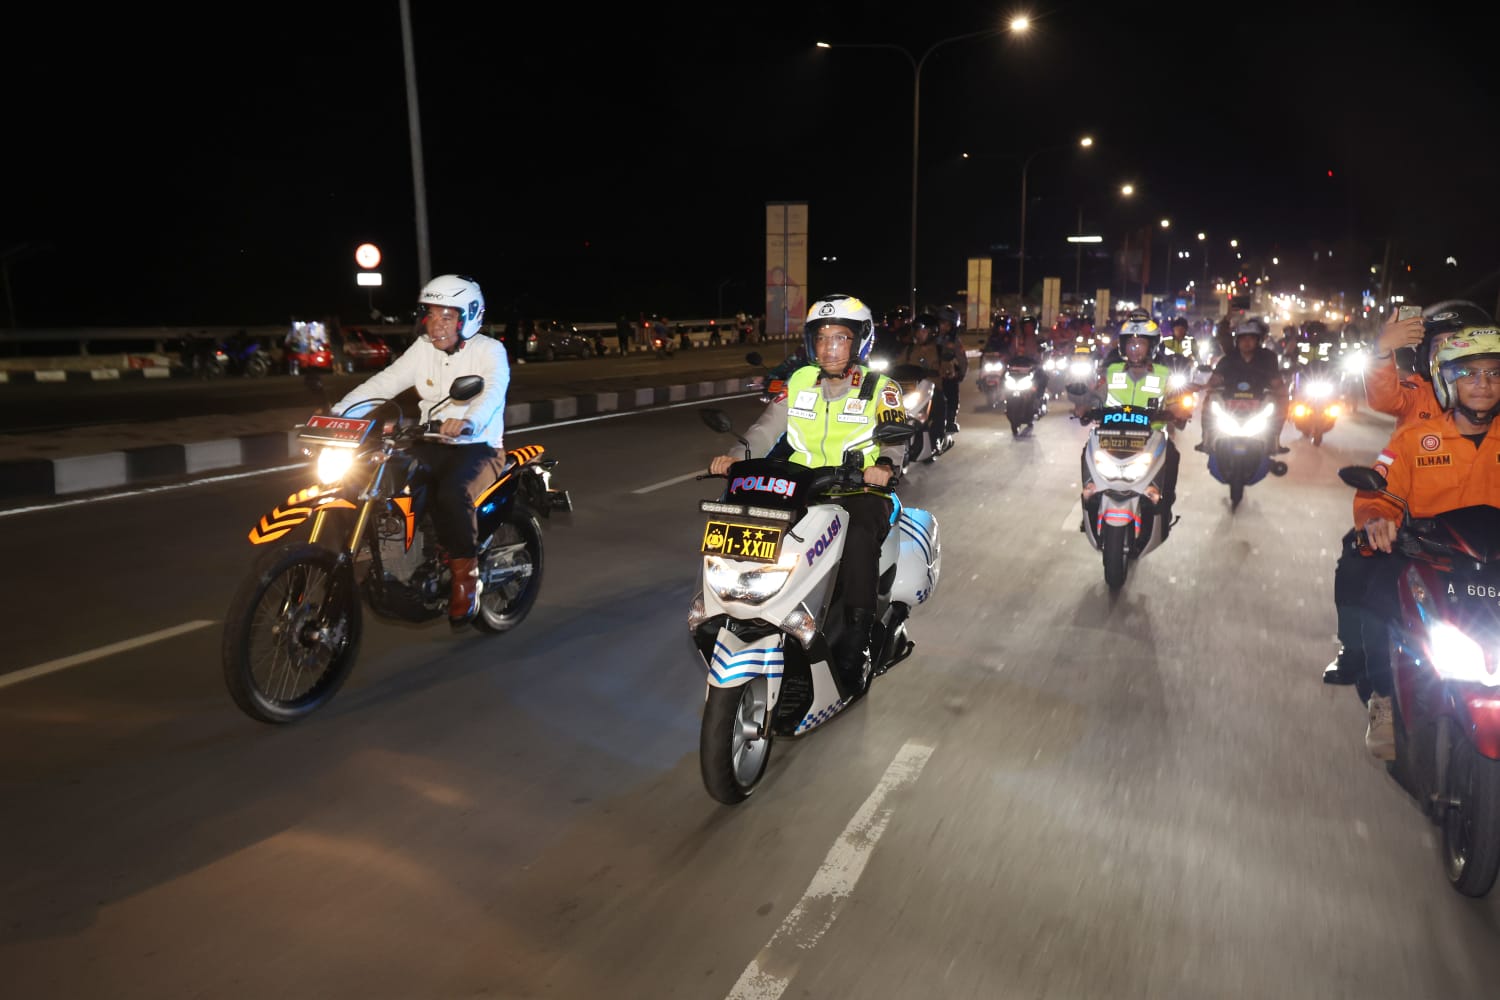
x,y
293,627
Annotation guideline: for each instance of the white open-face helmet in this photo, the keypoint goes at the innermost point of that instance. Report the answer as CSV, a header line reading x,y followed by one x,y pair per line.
x,y
458,292
842,310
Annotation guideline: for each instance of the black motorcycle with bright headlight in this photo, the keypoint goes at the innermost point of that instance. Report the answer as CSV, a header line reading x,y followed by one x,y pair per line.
x,y
293,626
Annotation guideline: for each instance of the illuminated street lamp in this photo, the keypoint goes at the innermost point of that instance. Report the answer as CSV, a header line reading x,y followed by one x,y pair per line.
x,y
1017,26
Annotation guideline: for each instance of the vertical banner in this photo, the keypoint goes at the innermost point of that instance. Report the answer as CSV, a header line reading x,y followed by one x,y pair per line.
x,y
1148,303
786,267
977,309
1051,302
1101,308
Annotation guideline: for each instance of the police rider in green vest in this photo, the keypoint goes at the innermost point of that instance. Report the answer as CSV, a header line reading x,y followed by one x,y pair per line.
x,y
831,407
1139,381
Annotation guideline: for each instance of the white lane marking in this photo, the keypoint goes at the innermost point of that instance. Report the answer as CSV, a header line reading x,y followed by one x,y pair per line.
x,y
304,464
770,972
143,491
1072,517
667,482
53,666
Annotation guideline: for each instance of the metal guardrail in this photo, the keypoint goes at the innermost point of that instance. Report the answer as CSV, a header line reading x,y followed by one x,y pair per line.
x,y
163,339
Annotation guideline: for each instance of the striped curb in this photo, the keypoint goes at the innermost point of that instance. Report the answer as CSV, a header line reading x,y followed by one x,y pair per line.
x,y
29,479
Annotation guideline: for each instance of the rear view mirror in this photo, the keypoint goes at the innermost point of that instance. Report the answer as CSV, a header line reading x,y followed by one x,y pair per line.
x,y
1362,477
466,387
716,420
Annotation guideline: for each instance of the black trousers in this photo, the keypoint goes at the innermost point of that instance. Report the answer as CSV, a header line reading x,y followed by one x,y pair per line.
x,y
859,572
1364,597
950,397
456,475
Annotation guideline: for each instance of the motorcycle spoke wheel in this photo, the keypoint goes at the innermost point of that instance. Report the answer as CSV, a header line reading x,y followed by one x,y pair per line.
x,y
515,553
734,744
1471,825
291,634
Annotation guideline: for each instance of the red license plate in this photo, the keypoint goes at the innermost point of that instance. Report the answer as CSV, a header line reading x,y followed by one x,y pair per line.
x,y
336,430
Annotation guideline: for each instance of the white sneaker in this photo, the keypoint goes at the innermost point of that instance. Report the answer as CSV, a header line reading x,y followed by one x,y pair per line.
x,y
1380,734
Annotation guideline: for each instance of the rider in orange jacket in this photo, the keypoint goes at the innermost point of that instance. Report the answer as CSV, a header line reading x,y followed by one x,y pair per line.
x,y
1443,462
1409,396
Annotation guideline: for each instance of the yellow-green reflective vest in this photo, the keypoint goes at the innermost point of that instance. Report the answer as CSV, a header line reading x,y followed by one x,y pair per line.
x,y
821,430
1146,392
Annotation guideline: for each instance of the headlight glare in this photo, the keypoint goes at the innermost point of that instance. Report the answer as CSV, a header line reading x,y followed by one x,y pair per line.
x,y
333,463
1456,657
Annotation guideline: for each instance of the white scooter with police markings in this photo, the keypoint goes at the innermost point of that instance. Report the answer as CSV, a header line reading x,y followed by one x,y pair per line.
x,y
768,617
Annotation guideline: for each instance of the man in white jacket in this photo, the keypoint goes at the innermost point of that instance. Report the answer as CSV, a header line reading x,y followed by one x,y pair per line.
x,y
474,454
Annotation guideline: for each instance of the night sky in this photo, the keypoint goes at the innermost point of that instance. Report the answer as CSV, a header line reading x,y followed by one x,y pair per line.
x,y
580,164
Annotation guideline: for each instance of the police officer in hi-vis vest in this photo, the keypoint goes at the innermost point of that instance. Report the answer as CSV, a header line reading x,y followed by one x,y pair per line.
x,y
830,407
1138,381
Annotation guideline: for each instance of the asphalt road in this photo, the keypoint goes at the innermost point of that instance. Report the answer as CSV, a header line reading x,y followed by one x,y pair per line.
x,y
1057,796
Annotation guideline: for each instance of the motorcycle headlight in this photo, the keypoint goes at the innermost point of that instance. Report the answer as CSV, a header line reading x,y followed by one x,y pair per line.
x,y
1081,369
1319,390
1251,426
731,581
333,463
993,366
1456,657
879,365
1354,363
1127,471
911,400
1176,380
1019,382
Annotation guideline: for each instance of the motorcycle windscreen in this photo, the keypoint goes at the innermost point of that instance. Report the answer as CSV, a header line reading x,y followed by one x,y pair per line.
x,y
766,482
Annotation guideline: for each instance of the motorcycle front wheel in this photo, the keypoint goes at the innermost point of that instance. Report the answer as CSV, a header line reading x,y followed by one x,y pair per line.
x,y
734,744
512,570
291,634
1471,825
1116,545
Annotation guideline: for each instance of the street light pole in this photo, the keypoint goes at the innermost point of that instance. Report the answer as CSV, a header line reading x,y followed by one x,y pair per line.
x,y
916,117
1085,143
414,128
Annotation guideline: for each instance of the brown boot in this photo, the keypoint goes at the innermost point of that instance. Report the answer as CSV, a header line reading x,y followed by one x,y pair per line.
x,y
464,603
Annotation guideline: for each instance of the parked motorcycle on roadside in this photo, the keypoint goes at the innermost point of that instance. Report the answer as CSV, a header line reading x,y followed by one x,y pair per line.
x,y
293,627
1445,671
1239,440
769,615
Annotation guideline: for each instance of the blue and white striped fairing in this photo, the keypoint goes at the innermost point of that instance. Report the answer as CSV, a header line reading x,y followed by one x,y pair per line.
x,y
917,531
731,666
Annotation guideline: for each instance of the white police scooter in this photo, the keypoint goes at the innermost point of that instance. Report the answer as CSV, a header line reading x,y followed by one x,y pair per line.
x,y
767,619
1123,454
